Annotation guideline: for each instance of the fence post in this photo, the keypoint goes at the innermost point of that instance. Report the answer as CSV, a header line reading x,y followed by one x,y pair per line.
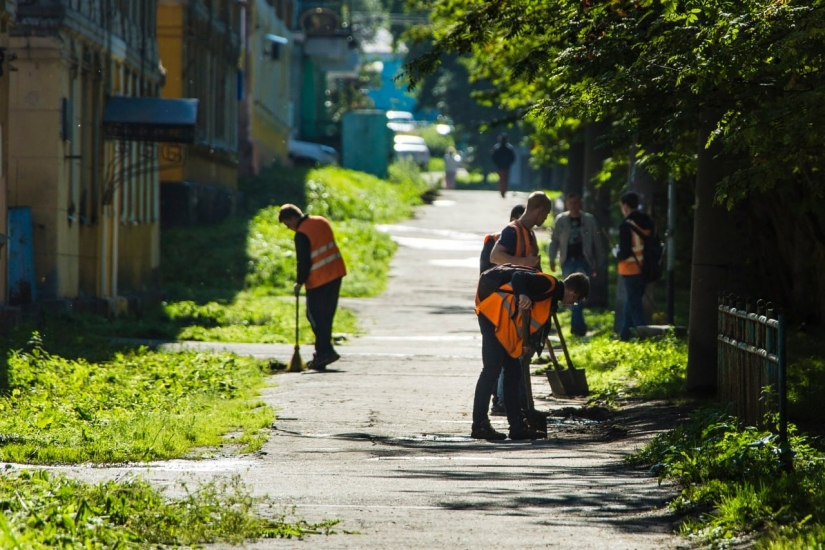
x,y
785,449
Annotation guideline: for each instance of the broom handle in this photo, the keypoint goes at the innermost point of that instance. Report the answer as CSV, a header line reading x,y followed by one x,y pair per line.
x,y
297,305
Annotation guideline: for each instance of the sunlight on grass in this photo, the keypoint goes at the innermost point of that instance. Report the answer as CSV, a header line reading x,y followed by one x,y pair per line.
x,y
138,406
42,510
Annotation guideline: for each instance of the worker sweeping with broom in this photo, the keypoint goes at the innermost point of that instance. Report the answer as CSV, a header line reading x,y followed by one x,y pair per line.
x,y
504,292
320,269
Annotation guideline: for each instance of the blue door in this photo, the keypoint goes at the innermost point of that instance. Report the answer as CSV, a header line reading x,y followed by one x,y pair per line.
x,y
21,257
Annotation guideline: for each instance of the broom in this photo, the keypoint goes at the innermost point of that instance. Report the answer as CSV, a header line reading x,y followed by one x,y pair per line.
x,y
295,364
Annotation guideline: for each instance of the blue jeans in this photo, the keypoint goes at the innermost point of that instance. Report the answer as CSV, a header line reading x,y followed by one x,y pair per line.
x,y
633,314
577,265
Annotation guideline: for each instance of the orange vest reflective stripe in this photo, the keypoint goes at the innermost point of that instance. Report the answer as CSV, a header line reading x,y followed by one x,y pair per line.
x,y
630,266
501,309
524,243
326,261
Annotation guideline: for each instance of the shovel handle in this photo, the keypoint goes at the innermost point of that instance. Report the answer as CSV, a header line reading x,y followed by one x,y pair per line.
x,y
563,344
525,359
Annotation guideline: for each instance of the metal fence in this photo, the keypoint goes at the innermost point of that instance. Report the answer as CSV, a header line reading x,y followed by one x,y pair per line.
x,y
751,361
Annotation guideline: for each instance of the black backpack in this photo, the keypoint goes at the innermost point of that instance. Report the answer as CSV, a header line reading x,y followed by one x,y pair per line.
x,y
652,255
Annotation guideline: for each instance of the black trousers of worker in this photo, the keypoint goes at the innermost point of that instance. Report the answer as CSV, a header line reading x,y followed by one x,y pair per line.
x,y
493,358
322,302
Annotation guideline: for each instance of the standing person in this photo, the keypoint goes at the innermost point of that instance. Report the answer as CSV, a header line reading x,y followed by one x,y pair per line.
x,y
517,244
451,161
630,256
576,241
504,293
485,264
320,268
503,155
491,239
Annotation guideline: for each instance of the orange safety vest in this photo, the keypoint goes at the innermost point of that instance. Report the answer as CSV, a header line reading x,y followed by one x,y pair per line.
x,y
632,265
327,263
501,309
525,241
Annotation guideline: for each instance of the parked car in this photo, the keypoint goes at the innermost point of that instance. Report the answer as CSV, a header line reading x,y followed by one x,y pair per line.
x,y
414,147
400,121
306,153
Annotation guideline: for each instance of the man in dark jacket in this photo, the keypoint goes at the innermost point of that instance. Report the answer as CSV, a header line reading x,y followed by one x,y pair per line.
x,y
630,254
503,155
504,293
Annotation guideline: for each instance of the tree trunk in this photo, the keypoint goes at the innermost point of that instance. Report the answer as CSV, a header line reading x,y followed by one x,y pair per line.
x,y
575,167
714,263
597,202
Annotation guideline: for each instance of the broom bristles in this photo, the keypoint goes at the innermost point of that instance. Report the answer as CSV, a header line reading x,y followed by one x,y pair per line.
x,y
295,364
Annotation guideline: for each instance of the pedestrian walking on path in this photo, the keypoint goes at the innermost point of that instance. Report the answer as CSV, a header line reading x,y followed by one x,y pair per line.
x,y
504,292
635,226
576,242
503,155
320,268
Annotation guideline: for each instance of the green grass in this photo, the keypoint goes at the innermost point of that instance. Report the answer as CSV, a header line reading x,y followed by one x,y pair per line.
x,y
233,282
733,481
44,511
137,406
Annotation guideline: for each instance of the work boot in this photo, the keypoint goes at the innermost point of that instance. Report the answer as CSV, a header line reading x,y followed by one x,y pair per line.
x,y
487,432
526,433
320,363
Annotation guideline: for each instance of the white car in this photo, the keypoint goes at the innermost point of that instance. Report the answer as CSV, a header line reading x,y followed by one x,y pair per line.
x,y
400,121
413,147
306,153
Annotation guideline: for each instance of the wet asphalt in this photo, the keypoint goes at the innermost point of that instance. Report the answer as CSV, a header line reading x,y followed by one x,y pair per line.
x,y
381,440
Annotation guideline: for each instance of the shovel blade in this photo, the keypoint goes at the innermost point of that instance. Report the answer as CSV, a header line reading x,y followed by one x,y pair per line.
x,y
557,387
580,382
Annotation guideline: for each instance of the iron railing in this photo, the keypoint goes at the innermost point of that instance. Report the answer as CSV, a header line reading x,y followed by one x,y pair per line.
x,y
751,361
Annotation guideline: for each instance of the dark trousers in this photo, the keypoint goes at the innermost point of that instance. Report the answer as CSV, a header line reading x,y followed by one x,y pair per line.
x,y
503,180
494,358
322,302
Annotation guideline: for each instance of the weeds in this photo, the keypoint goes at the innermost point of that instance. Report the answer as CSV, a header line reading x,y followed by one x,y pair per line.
x,y
736,480
138,406
41,510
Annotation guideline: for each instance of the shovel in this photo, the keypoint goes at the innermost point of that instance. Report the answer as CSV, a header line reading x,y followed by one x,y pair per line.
x,y
536,420
560,380
578,380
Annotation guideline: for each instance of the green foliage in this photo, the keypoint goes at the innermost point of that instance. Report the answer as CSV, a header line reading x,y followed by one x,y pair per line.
x,y
41,511
736,479
651,369
138,406
224,281
436,142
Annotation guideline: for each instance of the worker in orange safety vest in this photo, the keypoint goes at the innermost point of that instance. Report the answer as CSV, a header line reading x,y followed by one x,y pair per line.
x,y
320,269
503,293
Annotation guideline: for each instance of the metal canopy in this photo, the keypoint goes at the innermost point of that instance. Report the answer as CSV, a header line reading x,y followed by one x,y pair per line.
x,y
150,119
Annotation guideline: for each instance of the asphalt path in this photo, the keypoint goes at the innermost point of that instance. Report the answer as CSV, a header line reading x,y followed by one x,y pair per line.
x,y
381,440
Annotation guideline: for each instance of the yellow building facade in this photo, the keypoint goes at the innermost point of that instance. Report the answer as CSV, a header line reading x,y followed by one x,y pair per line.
x,y
266,107
95,202
199,45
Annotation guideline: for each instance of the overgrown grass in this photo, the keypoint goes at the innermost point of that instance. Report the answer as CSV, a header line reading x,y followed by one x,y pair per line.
x,y
43,511
138,406
232,282
733,481
649,369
